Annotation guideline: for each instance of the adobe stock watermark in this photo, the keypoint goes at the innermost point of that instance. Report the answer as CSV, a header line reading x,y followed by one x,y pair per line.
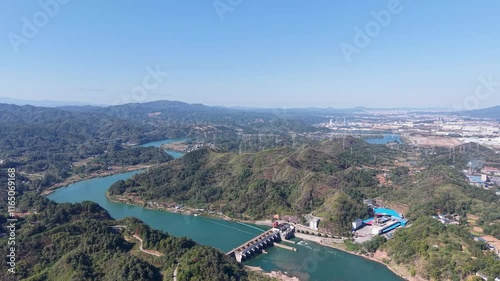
x,y
485,87
364,36
311,263
32,26
150,82
223,6
11,258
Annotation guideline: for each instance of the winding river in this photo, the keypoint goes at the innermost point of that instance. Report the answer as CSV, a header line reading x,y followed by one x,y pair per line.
x,y
311,262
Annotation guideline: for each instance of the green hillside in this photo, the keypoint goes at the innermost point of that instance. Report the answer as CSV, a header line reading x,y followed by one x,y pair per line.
x,y
438,252
257,185
331,179
78,242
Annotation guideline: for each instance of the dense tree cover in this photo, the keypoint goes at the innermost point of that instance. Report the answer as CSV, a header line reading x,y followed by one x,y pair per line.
x,y
440,252
46,141
433,250
399,175
76,242
258,185
56,131
444,189
360,178
227,128
181,114
22,185
280,170
367,247
340,211
465,156
132,156
328,179
203,263
493,229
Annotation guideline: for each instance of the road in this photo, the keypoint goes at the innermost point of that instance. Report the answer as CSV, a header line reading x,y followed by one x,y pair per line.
x,y
146,251
175,272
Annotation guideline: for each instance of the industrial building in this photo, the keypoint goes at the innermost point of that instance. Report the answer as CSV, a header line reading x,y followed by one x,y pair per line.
x,y
384,221
286,230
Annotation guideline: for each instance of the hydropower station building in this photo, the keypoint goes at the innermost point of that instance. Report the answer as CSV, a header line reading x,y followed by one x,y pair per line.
x,y
384,220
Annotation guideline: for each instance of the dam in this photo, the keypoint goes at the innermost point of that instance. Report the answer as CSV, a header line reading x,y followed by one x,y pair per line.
x,y
256,245
224,235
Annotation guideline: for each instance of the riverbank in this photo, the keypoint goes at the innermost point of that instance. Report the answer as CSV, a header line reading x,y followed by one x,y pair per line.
x,y
380,256
180,146
223,235
273,274
338,244
100,174
168,207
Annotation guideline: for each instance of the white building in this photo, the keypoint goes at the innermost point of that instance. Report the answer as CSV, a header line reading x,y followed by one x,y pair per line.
x,y
314,223
357,224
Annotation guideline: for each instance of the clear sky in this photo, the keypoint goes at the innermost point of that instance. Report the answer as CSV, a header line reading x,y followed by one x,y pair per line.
x,y
279,53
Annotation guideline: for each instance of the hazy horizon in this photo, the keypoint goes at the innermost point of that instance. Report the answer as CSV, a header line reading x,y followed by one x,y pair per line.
x,y
57,103
377,54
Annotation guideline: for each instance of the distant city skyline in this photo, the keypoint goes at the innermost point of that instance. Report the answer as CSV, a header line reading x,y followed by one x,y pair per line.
x,y
279,54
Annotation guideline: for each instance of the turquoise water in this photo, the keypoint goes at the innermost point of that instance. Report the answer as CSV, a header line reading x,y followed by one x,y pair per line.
x,y
315,262
311,262
387,139
218,233
175,154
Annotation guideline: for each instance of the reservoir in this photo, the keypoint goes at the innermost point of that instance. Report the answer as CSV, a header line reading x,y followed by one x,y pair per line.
x,y
175,154
387,138
311,262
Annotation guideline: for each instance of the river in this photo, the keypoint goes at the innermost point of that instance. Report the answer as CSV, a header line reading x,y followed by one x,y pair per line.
x,y
175,154
311,262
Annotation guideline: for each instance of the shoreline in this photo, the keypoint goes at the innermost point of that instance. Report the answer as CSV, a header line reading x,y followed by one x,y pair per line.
x,y
188,211
71,180
315,239
184,211
180,146
273,274
276,274
339,246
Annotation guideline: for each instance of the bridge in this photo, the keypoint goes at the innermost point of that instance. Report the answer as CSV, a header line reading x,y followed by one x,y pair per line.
x,y
256,245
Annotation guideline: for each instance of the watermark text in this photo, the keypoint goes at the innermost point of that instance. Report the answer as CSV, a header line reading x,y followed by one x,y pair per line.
x,y
11,220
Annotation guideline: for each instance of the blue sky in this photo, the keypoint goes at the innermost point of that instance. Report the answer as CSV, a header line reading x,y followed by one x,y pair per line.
x,y
280,53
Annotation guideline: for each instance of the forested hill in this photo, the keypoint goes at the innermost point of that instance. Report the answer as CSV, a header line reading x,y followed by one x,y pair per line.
x,y
175,111
29,128
433,250
44,143
79,242
319,178
50,145
491,112
183,116
28,131
331,179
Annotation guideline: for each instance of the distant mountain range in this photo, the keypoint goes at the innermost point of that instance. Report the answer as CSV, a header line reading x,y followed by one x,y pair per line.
x,y
44,103
52,103
178,107
491,112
